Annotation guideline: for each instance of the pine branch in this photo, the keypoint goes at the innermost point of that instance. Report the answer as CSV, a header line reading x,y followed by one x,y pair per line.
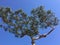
x,y
43,35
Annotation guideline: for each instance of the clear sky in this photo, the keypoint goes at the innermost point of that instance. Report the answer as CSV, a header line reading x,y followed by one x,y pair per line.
x,y
7,38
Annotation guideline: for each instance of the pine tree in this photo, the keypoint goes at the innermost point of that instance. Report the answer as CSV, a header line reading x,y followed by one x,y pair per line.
x,y
20,24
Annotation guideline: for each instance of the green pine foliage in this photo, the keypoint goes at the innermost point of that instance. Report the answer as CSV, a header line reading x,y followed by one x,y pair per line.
x,y
20,24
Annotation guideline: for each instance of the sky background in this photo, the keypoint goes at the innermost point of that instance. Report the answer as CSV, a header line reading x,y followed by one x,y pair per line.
x,y
7,38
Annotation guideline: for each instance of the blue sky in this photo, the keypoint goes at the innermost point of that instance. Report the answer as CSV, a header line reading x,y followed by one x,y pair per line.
x,y
7,38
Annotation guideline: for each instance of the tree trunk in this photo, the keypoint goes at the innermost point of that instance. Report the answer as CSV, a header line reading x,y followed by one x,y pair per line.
x,y
33,43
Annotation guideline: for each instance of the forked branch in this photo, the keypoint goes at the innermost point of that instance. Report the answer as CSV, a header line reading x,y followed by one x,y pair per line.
x,y
41,36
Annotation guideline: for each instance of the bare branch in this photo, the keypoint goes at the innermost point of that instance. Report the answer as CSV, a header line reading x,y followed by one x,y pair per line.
x,y
43,35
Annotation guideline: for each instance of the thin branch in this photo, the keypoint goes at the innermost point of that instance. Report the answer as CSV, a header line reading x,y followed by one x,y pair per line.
x,y
50,31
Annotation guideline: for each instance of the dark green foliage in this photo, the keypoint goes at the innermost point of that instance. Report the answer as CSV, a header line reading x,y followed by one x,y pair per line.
x,y
20,24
